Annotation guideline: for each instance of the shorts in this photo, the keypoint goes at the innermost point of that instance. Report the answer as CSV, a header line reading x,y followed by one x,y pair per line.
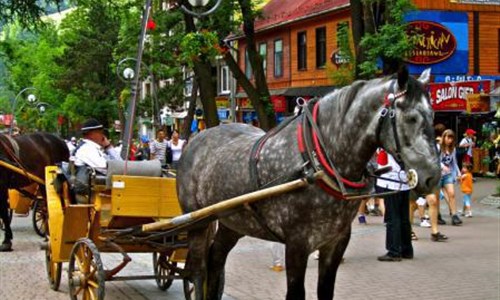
x,y
446,179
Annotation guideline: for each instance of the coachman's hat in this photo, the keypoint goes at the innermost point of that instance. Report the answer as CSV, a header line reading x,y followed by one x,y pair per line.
x,y
91,124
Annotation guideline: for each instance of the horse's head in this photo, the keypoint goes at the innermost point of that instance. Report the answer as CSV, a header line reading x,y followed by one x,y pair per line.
x,y
408,133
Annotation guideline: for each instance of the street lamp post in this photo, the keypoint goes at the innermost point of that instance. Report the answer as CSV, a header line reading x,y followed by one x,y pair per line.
x,y
31,100
127,136
127,74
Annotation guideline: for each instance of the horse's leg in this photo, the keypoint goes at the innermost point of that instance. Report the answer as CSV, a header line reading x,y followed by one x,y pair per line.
x,y
296,264
224,241
196,262
4,215
330,257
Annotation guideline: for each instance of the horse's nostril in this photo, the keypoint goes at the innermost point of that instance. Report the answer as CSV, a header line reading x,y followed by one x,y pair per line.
x,y
428,181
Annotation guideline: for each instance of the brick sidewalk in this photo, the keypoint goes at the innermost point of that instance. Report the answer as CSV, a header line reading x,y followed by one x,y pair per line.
x,y
465,267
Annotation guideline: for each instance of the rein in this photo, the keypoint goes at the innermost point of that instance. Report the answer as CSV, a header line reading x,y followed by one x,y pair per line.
x,y
389,110
14,155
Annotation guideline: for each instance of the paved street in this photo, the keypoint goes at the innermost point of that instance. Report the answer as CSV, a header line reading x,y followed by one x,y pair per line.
x,y
465,267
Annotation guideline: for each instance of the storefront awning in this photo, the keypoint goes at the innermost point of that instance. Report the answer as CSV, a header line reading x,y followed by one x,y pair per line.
x,y
313,91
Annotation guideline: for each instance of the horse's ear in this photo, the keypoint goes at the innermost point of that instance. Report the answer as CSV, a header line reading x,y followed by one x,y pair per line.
x,y
425,77
403,76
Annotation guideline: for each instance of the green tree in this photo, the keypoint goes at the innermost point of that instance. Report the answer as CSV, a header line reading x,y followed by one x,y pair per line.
x,y
379,32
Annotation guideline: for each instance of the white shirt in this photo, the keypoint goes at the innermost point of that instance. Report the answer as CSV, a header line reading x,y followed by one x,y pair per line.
x,y
395,174
467,140
177,149
91,154
71,147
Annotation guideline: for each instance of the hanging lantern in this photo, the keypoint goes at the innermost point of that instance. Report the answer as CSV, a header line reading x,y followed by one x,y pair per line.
x,y
151,25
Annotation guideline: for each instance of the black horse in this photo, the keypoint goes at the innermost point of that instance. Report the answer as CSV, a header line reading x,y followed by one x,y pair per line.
x,y
392,112
31,153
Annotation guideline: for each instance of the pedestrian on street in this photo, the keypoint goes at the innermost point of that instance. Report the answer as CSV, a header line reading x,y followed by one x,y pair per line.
x,y
397,212
158,147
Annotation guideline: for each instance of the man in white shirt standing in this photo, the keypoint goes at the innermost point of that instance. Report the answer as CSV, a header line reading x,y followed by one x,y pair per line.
x,y
397,212
95,149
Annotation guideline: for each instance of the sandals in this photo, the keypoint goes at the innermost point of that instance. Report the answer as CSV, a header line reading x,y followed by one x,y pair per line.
x,y
438,237
414,236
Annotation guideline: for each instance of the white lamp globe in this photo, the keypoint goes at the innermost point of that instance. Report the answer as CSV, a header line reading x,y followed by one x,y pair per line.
x,y
31,98
128,73
198,3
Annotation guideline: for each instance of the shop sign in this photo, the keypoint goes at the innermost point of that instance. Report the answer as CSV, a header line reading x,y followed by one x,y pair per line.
x,y
245,103
453,96
477,104
338,59
435,42
279,103
222,102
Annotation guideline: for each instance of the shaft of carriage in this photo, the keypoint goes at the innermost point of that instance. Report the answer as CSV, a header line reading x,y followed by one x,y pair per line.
x,y
229,204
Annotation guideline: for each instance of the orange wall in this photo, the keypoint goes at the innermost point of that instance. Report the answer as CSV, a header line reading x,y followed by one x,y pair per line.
x,y
450,6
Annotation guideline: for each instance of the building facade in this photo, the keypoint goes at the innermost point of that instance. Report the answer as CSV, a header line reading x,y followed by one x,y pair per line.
x,y
460,41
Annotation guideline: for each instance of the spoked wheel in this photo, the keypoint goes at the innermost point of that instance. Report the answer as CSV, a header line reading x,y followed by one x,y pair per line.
x,y
85,271
40,217
11,213
163,267
54,269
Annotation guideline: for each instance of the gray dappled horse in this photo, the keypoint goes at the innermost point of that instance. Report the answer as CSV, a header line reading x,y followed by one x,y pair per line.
x,y
31,152
215,166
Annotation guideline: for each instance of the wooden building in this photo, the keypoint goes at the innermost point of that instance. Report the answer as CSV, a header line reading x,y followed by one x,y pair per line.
x,y
299,41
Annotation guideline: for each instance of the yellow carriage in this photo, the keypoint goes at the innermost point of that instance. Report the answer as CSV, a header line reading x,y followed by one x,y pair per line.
x,y
79,233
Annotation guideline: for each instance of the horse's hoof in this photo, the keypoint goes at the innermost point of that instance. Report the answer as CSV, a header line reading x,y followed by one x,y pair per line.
x,y
6,247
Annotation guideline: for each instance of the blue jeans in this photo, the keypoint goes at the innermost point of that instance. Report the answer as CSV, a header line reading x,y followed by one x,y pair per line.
x,y
446,179
467,199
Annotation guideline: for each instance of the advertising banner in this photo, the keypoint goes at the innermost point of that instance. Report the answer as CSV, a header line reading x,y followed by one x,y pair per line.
x,y
453,96
443,42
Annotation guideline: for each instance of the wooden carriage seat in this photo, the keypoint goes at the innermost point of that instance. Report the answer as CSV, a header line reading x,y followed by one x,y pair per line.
x,y
142,193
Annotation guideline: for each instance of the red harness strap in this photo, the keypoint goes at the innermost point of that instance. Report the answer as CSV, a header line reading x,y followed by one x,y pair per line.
x,y
322,158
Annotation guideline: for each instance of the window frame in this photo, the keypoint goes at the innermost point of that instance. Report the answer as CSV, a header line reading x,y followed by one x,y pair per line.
x,y
321,47
302,51
280,65
224,82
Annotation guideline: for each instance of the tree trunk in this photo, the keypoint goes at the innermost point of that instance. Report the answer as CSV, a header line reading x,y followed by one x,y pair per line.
x,y
357,34
260,97
203,74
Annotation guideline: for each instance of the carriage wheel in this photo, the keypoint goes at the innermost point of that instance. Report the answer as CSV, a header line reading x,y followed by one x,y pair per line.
x,y
40,217
53,269
86,276
162,268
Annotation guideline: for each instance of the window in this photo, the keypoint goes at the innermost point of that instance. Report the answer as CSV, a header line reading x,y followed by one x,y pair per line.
x,y
342,29
224,80
278,58
302,50
263,54
248,66
320,47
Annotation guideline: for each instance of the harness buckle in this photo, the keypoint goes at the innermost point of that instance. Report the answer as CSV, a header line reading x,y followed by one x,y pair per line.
x,y
392,114
383,112
301,101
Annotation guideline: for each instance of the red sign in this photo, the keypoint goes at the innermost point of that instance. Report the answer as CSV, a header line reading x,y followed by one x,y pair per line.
x,y
452,96
435,42
279,103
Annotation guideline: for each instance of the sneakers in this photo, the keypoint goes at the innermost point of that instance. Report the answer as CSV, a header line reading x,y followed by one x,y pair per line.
x,y
425,223
362,219
455,220
414,236
277,268
438,237
468,214
440,220
389,257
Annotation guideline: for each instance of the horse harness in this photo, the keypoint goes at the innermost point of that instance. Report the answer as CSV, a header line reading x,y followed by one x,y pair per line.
x,y
311,147
13,155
